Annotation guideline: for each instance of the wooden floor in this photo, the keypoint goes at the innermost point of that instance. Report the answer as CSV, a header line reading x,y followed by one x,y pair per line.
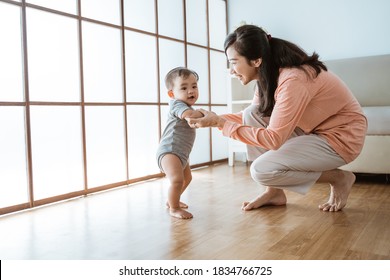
x,y
132,223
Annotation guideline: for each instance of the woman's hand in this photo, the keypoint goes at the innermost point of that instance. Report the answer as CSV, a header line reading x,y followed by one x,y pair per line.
x,y
210,119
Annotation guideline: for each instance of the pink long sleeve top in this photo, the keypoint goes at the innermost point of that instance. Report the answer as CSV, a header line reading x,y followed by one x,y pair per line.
x,y
323,105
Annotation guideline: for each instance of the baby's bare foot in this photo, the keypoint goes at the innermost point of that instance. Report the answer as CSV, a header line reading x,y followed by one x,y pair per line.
x,y
180,213
339,192
271,196
181,204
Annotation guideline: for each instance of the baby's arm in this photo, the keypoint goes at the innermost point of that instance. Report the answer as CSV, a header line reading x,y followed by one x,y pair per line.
x,y
191,114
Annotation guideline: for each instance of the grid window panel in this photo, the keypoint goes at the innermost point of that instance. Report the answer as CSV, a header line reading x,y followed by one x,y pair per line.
x,y
53,57
80,137
218,77
11,79
219,142
140,14
102,63
56,150
68,6
218,30
171,56
141,84
163,116
201,150
105,141
143,138
196,18
171,18
198,61
13,176
102,10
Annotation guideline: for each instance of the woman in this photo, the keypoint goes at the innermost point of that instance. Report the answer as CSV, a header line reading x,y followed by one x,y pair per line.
x,y
302,125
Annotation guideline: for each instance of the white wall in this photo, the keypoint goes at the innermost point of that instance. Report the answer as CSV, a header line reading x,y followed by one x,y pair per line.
x,y
333,28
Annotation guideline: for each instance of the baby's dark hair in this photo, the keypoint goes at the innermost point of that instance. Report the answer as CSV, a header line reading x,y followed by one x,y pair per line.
x,y
178,72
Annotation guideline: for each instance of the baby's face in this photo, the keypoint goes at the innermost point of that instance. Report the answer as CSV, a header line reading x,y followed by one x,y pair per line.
x,y
186,89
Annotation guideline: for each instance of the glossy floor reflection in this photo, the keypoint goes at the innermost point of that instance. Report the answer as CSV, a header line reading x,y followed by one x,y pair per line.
x,y
133,223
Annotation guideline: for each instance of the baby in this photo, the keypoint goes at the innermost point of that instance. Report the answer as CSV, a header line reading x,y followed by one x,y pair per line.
x,y
178,138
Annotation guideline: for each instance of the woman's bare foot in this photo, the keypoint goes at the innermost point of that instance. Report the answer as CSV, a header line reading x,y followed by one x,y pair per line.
x,y
180,213
181,204
340,187
271,196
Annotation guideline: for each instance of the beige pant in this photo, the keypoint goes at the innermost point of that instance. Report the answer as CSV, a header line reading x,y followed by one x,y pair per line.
x,y
295,166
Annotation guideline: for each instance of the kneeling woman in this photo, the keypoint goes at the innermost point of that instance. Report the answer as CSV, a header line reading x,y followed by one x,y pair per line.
x,y
302,125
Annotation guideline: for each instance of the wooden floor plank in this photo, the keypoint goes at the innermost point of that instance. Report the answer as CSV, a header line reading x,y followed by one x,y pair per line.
x,y
133,223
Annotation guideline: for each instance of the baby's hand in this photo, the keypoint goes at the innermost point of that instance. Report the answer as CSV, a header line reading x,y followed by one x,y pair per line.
x,y
193,121
210,119
201,111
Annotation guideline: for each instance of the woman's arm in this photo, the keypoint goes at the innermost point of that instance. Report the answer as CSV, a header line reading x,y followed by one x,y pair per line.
x,y
235,117
291,101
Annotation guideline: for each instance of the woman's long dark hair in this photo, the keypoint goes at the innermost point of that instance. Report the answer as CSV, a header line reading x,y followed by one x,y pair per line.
x,y
252,42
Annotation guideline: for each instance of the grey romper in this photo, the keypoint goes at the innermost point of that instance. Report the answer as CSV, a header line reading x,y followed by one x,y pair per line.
x,y
178,137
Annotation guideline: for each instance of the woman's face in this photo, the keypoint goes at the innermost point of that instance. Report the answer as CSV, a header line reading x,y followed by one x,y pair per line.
x,y
239,66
